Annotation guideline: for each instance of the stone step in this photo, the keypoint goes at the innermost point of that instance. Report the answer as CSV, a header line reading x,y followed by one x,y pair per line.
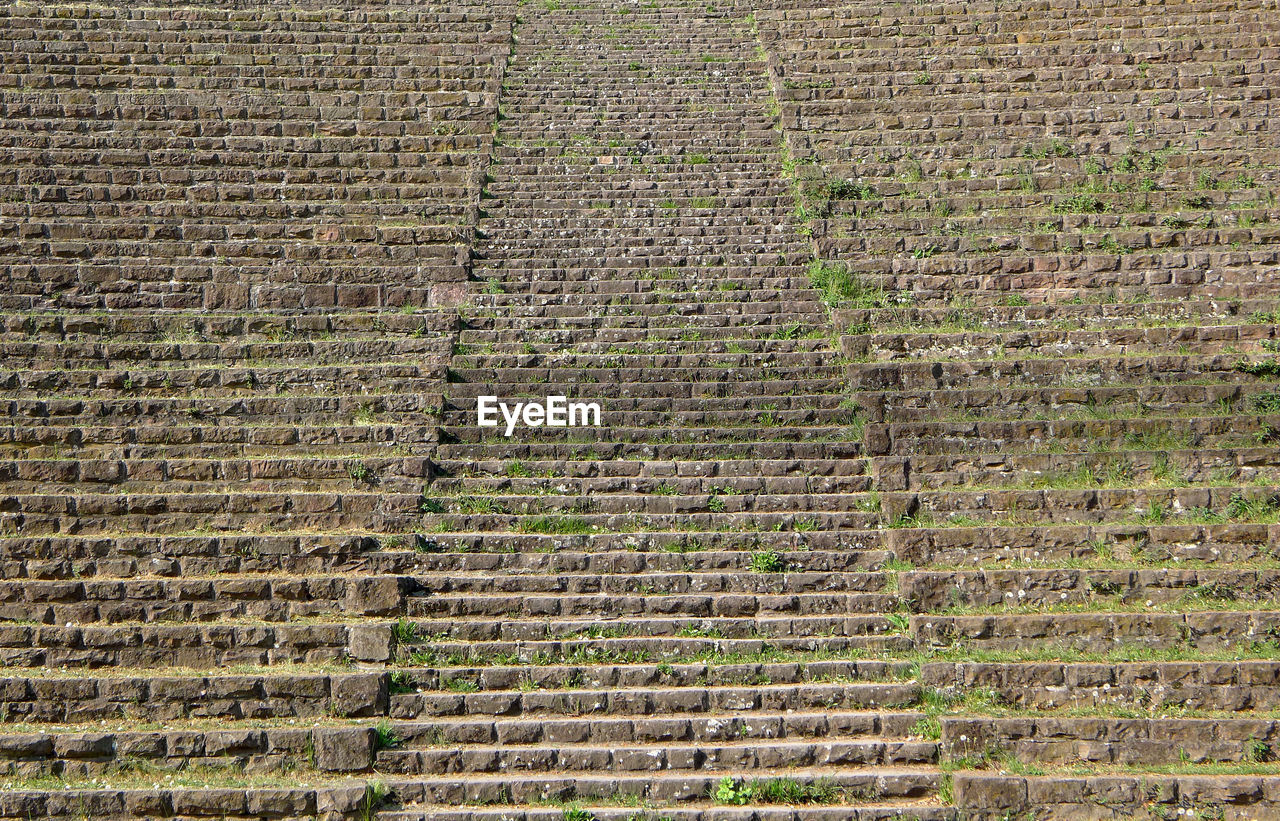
x,y
674,485
641,552
292,803
683,410
74,755
445,627
780,517
837,447
585,435
1083,505
685,728
1112,741
1058,798
383,408
1098,632
869,786
642,649
240,329
403,375
1248,339
1085,371
880,810
918,439
548,346
626,362
1030,587
1125,398
1110,277
77,423
612,384
43,697
112,355
142,600
673,471
125,645
196,476
616,606
553,707
688,318
774,578
549,305
801,668
127,554
570,758
1060,679
1097,469
554,502
1013,545
1055,317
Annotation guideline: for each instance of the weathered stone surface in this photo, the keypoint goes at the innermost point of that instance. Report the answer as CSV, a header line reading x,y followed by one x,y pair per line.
x,y
344,750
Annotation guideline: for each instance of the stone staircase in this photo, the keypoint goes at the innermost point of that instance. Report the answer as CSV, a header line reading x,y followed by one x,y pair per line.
x,y
226,156
1049,232
652,619
936,348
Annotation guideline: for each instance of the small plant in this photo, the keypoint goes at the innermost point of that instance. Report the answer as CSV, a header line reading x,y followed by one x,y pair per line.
x,y
1239,507
1054,148
1027,180
1263,367
928,727
401,683
376,794
1256,750
577,814
842,287
839,189
774,791
923,78
554,524
460,685
1109,244
360,472
1266,402
731,791
1157,514
385,736
912,172
404,632
1082,203
767,561
480,505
